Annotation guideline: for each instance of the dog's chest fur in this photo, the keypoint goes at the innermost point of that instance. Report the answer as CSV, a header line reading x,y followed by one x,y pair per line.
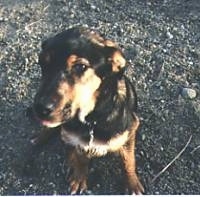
x,y
94,147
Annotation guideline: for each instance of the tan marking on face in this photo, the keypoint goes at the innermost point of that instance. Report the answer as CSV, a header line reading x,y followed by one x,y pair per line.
x,y
64,88
110,43
66,91
74,59
81,96
81,61
71,60
63,96
85,93
118,61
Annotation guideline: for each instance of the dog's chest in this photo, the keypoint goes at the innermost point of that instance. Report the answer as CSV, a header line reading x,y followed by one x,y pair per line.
x,y
94,147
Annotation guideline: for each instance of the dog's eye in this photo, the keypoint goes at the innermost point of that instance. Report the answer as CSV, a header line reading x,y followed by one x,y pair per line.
x,y
79,69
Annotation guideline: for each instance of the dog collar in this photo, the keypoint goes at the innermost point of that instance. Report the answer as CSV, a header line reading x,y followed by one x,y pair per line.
x,y
91,126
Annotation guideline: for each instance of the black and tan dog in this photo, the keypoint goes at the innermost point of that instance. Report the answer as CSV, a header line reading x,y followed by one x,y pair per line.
x,y
85,93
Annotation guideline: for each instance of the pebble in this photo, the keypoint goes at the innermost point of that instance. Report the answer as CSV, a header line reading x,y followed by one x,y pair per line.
x,y
143,137
2,80
188,93
169,35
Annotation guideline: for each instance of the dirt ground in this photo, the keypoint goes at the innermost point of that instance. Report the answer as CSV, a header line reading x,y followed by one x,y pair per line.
x,y
161,40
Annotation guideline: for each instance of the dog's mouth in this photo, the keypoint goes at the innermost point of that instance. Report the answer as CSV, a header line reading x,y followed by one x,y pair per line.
x,y
49,124
55,119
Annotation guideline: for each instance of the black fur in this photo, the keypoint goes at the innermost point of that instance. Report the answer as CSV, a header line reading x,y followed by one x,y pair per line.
x,y
111,115
105,121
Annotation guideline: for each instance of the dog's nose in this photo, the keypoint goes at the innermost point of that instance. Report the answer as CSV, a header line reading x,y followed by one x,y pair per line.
x,y
44,110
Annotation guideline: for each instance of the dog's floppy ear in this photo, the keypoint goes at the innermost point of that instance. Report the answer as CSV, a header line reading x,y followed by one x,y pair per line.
x,y
45,56
117,60
115,56
45,44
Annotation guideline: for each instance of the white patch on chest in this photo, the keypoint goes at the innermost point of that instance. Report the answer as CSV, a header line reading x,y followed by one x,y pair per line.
x,y
96,148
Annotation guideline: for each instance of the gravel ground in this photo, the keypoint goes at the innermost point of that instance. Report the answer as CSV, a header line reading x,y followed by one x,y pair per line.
x,y
161,40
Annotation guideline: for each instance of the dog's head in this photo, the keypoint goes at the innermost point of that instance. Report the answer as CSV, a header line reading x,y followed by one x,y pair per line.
x,y
74,65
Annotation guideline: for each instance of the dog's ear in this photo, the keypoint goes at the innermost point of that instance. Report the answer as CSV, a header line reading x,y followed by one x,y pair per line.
x,y
46,43
46,54
115,56
117,61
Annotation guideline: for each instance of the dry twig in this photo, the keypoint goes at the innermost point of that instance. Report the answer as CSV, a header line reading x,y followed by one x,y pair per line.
x,y
195,149
175,158
31,24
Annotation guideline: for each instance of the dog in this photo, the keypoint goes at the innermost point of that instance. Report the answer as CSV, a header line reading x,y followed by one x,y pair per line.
x,y
85,93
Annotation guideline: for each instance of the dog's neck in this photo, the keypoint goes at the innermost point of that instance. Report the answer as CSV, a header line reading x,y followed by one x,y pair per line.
x,y
117,99
112,113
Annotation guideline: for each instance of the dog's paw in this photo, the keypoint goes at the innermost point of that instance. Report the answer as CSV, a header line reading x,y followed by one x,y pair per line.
x,y
77,181
135,187
78,186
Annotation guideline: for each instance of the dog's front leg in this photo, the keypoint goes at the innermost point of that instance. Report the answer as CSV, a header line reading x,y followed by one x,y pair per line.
x,y
128,158
77,172
127,153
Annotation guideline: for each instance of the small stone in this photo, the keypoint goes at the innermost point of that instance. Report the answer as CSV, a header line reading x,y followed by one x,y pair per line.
x,y
93,7
2,80
31,185
169,35
98,185
88,192
143,137
188,93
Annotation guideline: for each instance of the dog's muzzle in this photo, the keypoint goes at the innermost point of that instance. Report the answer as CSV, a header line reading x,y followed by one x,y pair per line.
x,y
48,115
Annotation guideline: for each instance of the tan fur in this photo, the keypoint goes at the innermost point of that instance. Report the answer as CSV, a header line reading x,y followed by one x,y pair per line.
x,y
74,59
121,89
129,162
79,94
79,165
70,60
100,41
63,89
95,38
110,43
96,148
84,92
118,61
